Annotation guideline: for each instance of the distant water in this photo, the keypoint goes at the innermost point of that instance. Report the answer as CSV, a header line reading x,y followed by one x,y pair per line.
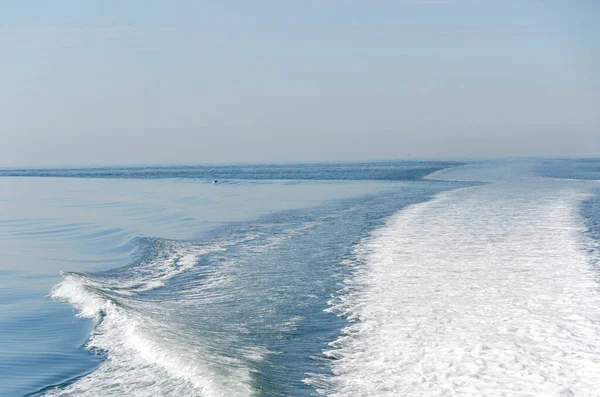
x,y
299,280
387,171
584,168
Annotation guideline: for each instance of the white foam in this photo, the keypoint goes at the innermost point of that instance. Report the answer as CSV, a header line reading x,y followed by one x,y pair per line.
x,y
176,260
484,291
147,354
151,349
74,290
173,258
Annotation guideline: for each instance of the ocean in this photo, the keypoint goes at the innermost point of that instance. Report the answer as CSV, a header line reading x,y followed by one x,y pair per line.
x,y
410,278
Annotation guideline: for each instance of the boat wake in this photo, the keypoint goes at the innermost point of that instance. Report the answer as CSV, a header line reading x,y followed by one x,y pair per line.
x,y
483,291
150,349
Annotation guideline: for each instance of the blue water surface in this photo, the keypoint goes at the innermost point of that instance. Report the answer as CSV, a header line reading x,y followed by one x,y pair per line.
x,y
201,285
282,232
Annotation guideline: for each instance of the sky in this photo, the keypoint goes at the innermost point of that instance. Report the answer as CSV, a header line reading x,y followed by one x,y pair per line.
x,y
174,82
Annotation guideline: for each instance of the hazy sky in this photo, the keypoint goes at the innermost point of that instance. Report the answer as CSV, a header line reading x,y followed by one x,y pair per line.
x,y
105,82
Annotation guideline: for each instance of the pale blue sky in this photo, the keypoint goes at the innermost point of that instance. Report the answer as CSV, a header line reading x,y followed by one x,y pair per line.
x,y
105,82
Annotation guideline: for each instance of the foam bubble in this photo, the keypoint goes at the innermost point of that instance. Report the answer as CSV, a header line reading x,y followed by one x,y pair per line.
x,y
483,291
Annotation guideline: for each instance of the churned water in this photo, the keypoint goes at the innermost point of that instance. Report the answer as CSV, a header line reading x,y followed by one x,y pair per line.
x,y
383,279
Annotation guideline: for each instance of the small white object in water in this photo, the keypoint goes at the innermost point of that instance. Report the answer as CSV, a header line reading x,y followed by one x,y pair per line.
x,y
214,181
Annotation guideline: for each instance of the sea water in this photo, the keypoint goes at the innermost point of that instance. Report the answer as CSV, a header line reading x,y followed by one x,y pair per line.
x,y
391,278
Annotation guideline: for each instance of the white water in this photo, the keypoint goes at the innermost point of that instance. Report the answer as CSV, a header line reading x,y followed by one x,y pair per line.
x,y
150,348
484,291
146,356
157,347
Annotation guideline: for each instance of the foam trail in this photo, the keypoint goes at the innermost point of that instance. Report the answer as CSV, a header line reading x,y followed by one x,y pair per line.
x,y
146,356
190,336
150,347
483,291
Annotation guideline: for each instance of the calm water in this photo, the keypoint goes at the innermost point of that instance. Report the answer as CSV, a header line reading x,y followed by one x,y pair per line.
x,y
154,281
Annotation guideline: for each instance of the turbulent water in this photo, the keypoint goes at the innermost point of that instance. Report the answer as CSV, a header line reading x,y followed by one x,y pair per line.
x,y
370,279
